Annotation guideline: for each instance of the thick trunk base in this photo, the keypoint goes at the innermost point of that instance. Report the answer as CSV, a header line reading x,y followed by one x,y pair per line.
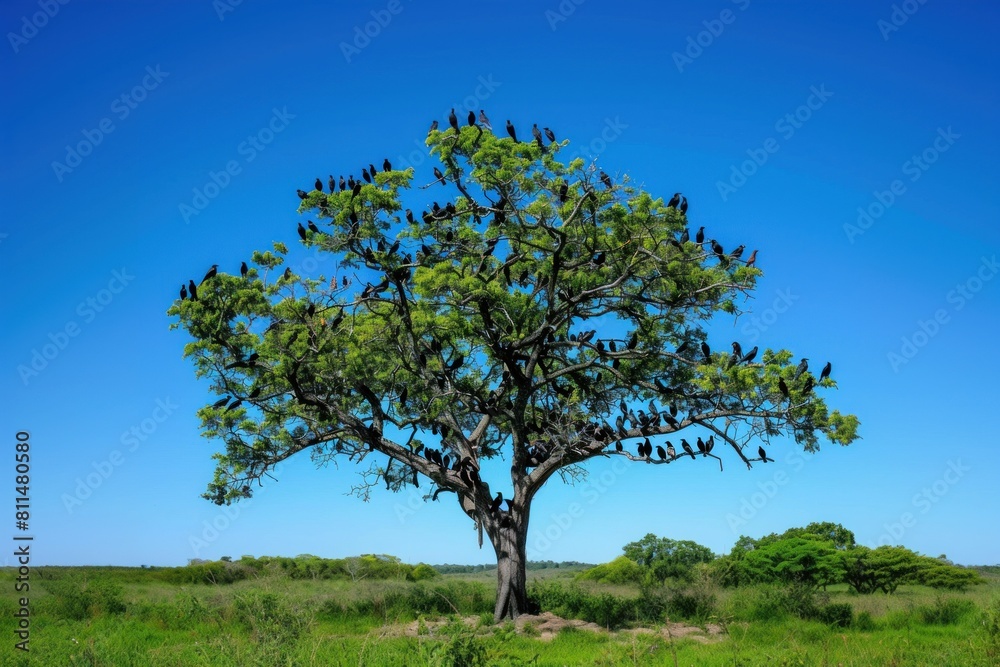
x,y
512,589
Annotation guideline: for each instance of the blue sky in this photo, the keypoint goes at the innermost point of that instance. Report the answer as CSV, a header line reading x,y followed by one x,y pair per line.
x,y
780,121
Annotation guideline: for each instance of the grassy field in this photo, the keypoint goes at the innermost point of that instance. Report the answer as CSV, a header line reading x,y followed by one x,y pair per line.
x,y
122,616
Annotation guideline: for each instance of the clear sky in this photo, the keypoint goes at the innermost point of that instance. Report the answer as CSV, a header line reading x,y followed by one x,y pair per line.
x,y
780,121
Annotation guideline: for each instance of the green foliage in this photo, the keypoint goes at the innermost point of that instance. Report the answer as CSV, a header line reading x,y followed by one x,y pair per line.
x,y
665,558
945,611
78,598
622,570
543,242
989,629
887,567
423,571
804,560
837,614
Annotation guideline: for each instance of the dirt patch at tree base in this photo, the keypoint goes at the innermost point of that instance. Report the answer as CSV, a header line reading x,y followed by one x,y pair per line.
x,y
547,625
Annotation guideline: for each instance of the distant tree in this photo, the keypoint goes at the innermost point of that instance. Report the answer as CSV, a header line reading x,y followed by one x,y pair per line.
x,y
666,558
889,567
226,559
804,560
511,321
949,577
423,571
622,570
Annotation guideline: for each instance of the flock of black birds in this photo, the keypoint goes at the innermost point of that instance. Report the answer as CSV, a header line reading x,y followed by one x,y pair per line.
x,y
537,452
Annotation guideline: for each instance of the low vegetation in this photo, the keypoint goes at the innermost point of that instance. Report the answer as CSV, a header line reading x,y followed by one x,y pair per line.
x,y
662,601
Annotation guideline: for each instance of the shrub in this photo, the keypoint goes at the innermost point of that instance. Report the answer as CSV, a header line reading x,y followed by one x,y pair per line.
x,y
990,627
691,604
422,571
945,611
268,618
864,622
837,614
78,599
621,570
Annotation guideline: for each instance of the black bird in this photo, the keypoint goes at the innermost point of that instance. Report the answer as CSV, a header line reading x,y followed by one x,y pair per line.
x,y
439,175
549,134
351,182
472,118
255,393
750,355
803,367
599,258
409,216
287,274
685,236
709,444
243,270
825,373
661,452
618,446
674,201
497,502
736,254
752,259
717,248
356,191
699,238
687,447
680,348
510,131
484,120
563,190
536,133
701,445
612,346
222,401
453,119
192,290
302,232
235,404
211,273
633,341
319,184
706,350
434,127
783,388
313,228
684,206
808,386
372,171
386,165
763,454
606,180
737,350
332,184
302,194
343,184
344,281
364,175
184,292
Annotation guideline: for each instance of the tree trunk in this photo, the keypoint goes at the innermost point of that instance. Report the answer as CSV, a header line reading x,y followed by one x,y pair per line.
x,y
512,590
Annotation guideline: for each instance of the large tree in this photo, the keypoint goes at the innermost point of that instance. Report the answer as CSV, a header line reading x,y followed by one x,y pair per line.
x,y
545,314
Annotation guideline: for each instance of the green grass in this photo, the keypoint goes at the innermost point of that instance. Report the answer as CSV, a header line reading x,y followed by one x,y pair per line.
x,y
112,617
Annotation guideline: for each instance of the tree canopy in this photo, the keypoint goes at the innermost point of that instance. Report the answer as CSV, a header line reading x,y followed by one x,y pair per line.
x,y
540,304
